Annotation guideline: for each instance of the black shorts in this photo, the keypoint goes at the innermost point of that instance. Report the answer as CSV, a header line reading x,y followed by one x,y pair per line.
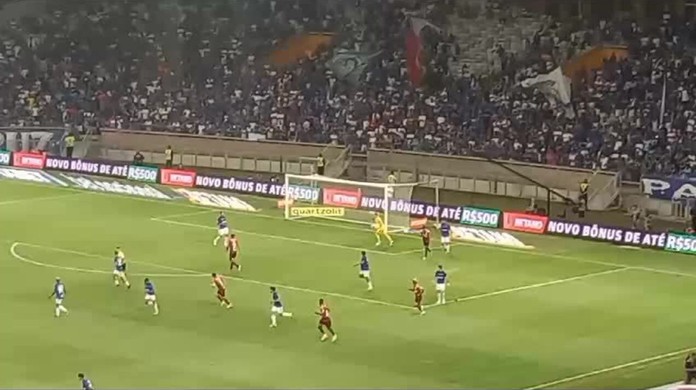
x,y
320,170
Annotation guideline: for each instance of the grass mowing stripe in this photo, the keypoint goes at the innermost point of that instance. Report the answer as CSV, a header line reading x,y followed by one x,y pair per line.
x,y
266,235
610,369
204,209
37,199
531,286
186,272
167,219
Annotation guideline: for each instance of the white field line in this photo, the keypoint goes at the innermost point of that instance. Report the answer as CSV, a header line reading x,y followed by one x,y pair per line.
x,y
439,248
13,250
317,243
189,214
204,209
459,243
611,369
531,286
183,272
37,199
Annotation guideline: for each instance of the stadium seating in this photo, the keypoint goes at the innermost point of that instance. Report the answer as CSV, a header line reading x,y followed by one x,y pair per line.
x,y
201,67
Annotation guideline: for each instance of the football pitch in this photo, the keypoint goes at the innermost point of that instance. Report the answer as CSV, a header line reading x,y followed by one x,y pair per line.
x,y
567,314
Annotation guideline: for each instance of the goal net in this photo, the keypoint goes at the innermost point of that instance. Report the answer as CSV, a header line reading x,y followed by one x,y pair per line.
x,y
315,196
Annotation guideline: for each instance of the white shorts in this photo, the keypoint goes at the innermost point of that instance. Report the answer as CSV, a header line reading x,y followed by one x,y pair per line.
x,y
445,240
59,301
119,274
364,274
150,298
440,287
223,231
277,310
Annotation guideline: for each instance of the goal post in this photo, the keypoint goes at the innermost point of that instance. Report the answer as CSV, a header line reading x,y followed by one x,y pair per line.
x,y
350,201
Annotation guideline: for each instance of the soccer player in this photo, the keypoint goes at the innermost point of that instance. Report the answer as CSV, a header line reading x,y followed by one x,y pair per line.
x,y
120,268
440,284
324,314
223,228
150,297
85,382
425,236
59,292
381,230
364,273
233,251
219,284
277,308
445,236
418,292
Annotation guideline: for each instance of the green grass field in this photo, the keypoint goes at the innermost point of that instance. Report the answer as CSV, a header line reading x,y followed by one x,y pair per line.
x,y
568,314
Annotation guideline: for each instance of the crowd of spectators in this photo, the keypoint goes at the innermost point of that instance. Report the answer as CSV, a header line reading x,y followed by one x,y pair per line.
x,y
200,67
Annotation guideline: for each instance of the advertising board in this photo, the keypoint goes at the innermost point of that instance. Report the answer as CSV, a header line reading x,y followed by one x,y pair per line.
x,y
342,197
28,160
88,167
480,217
317,212
177,177
528,223
681,243
610,234
5,157
142,173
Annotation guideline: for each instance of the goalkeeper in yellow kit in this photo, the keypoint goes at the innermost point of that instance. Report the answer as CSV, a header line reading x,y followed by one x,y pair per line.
x,y
381,230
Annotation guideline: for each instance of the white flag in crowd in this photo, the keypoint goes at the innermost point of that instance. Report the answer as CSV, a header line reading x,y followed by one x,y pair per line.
x,y
555,86
350,65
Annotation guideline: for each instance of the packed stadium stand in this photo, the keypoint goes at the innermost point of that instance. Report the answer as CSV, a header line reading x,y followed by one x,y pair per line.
x,y
451,77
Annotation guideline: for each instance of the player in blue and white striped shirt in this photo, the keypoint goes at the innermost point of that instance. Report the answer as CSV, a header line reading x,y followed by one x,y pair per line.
x,y
445,236
440,284
59,292
85,382
364,273
150,297
277,308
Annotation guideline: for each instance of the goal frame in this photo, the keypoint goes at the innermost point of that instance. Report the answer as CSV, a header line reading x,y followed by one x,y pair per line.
x,y
385,187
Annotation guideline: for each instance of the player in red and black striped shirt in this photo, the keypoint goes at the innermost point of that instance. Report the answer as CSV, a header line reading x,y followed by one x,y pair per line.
x,y
425,236
324,314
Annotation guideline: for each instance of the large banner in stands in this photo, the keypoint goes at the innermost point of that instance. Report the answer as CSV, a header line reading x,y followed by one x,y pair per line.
x,y
28,160
5,157
528,223
177,177
611,234
25,140
669,187
88,167
681,243
277,190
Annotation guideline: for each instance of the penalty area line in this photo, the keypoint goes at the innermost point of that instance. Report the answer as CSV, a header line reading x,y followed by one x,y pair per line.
x,y
618,367
529,287
183,273
273,236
